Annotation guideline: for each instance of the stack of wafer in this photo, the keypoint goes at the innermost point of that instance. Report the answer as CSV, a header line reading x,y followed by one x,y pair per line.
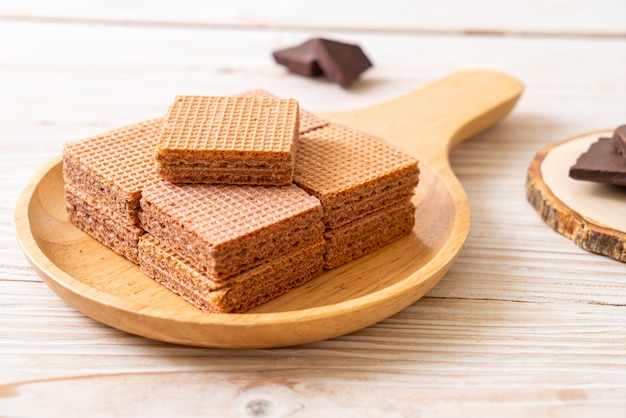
x,y
365,186
104,176
228,248
232,201
233,232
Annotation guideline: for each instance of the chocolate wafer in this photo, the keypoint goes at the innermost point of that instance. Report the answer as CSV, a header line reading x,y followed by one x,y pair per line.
x,y
365,186
238,293
104,176
308,121
115,166
229,140
100,224
353,174
222,230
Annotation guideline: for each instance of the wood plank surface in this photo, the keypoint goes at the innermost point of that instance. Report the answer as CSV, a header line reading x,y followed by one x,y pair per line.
x,y
523,17
526,323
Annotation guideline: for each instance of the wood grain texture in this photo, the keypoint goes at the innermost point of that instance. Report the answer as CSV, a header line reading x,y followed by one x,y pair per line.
x,y
404,364
525,323
522,17
590,214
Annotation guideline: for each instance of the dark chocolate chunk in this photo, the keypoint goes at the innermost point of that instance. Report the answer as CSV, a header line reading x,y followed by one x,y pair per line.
x,y
341,62
600,164
618,140
301,59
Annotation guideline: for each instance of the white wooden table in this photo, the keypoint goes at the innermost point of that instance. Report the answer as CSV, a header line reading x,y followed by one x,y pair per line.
x,y
524,324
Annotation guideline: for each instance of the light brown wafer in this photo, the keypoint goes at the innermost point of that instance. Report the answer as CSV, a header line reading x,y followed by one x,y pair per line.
x,y
239,293
113,168
353,174
104,176
224,229
308,121
95,222
228,140
367,234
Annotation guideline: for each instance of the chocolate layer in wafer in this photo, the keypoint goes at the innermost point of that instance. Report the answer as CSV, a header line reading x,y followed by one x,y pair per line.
x,y
113,168
238,293
121,238
229,140
222,230
104,176
367,234
353,174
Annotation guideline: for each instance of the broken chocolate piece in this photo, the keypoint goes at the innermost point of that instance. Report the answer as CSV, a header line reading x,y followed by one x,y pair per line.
x,y
600,164
618,140
301,59
341,62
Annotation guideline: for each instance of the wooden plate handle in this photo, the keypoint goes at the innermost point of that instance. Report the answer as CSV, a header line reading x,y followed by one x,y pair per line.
x,y
429,121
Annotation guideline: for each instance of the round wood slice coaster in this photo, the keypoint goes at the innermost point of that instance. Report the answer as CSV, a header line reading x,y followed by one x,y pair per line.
x,y
593,215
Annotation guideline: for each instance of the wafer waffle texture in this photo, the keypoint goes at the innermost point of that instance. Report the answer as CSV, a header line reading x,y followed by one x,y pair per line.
x,y
222,230
367,234
229,140
353,174
240,292
87,215
114,167
104,176
308,121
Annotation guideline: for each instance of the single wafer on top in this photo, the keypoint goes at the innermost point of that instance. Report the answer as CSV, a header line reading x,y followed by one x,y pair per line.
x,y
353,174
229,140
224,229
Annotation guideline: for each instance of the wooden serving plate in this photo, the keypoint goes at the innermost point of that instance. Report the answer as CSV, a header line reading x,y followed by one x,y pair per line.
x,y
593,215
427,122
